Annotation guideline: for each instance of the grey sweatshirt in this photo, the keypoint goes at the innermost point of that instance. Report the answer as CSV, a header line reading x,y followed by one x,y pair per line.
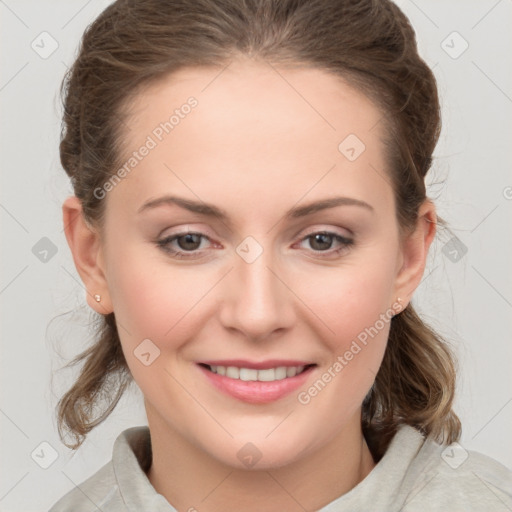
x,y
414,475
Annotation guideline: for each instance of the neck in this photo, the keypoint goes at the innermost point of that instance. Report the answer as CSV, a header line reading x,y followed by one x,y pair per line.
x,y
190,478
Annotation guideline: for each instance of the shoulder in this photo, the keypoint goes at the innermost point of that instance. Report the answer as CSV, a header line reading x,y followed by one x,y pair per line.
x,y
441,477
98,491
117,482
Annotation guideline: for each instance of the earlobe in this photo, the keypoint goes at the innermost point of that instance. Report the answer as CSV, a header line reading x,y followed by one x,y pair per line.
x,y
415,252
85,245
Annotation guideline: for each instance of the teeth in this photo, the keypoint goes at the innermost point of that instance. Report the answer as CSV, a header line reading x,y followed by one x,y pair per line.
x,y
291,371
267,375
250,374
232,372
280,373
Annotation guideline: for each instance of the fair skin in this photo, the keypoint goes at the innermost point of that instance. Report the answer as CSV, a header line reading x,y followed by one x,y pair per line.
x,y
255,148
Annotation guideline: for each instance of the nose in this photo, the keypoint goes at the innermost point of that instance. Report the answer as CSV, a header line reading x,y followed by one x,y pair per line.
x,y
257,298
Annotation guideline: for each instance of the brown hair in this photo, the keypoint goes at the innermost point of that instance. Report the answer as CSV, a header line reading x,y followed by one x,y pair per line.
x,y
368,43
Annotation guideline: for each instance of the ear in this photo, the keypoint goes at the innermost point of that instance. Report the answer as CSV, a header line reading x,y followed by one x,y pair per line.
x,y
414,252
86,248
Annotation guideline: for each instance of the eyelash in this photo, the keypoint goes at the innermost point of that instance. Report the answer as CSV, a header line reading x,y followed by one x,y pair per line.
x,y
164,244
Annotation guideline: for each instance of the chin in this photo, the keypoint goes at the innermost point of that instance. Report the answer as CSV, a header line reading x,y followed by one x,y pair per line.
x,y
263,454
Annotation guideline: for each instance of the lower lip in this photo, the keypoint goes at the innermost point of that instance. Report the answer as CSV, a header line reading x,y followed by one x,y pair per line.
x,y
256,392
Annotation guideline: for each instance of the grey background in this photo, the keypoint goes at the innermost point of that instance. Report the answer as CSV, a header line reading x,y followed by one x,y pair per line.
x,y
465,294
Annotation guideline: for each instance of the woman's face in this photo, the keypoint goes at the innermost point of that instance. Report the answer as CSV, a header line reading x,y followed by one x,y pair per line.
x,y
254,289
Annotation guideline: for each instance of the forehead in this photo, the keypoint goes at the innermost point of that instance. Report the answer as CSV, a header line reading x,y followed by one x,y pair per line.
x,y
254,127
248,90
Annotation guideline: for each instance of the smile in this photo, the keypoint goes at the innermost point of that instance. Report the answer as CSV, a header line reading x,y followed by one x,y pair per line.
x,y
267,383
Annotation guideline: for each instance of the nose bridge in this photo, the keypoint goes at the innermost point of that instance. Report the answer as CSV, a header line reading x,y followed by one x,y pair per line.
x,y
259,301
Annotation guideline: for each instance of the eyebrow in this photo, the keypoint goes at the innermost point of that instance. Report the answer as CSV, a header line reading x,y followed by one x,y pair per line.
x,y
211,210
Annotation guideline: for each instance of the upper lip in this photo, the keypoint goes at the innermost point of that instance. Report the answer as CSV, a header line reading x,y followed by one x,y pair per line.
x,y
256,365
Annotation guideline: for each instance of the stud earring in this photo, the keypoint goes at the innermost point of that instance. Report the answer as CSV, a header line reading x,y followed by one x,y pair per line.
x,y
399,300
97,297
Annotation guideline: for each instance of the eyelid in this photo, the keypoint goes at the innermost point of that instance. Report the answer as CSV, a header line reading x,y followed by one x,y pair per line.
x,y
330,229
184,229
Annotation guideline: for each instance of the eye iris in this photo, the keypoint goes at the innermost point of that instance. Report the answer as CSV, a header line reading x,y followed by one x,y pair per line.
x,y
321,237
196,241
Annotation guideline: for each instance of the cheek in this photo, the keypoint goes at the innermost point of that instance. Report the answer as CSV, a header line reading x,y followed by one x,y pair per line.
x,y
351,299
358,311
354,302
156,303
155,300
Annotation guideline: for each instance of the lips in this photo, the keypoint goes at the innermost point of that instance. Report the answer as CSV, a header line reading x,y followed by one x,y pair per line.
x,y
257,365
256,382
